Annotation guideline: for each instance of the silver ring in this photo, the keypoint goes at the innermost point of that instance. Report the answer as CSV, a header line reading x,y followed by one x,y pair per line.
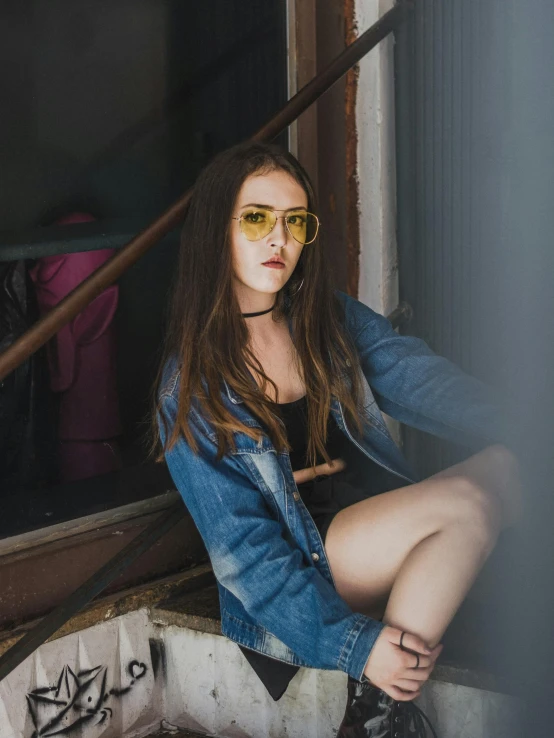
x,y
417,661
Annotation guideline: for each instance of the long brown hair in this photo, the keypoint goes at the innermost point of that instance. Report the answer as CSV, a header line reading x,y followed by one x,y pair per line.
x,y
208,337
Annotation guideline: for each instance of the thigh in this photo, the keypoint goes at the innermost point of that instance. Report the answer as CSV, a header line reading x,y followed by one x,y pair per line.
x,y
368,542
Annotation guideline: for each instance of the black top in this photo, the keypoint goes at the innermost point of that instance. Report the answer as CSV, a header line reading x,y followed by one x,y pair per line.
x,y
295,417
360,474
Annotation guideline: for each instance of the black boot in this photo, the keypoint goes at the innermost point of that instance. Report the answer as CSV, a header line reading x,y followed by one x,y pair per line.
x,y
370,713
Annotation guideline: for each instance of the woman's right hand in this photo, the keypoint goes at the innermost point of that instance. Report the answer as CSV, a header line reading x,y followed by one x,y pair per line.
x,y
392,669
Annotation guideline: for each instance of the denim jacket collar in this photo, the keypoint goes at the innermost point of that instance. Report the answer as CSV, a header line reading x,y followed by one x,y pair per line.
x,y
235,398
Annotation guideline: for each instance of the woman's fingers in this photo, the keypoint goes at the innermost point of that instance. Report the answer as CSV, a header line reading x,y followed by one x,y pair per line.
x,y
408,685
418,675
399,695
415,662
400,671
409,642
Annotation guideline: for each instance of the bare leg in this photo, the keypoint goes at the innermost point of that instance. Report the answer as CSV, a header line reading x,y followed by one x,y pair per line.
x,y
421,547
435,578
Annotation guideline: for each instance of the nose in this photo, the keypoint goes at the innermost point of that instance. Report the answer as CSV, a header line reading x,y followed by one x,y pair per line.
x,y
279,234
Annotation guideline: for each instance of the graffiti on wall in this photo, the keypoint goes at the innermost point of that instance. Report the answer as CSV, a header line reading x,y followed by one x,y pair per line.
x,y
77,699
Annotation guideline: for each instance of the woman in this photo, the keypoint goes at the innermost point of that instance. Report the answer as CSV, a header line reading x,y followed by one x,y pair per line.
x,y
328,552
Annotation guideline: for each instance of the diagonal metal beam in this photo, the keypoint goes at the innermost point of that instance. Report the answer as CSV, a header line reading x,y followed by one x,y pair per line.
x,y
89,589
109,272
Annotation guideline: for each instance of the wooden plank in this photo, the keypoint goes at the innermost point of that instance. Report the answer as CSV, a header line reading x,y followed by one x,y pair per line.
x,y
120,603
78,526
89,589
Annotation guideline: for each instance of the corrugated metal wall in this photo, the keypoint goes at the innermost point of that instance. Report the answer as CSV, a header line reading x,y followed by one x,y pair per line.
x,y
442,148
475,122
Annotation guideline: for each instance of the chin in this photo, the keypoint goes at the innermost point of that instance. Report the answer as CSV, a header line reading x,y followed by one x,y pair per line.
x,y
270,286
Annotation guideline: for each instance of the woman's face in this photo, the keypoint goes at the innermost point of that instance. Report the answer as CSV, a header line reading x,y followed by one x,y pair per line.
x,y
276,191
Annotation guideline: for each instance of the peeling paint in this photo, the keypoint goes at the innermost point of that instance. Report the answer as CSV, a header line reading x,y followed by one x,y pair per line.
x,y
352,183
158,657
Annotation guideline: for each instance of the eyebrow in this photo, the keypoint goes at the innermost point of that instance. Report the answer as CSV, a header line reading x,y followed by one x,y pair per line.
x,y
270,207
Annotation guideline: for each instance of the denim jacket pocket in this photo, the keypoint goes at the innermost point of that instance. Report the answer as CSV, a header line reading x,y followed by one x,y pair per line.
x,y
265,469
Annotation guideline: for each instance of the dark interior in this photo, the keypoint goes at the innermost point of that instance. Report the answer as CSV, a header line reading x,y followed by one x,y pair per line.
x,y
112,109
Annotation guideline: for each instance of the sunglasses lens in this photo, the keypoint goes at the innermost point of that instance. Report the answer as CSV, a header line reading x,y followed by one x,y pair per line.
x,y
257,223
302,226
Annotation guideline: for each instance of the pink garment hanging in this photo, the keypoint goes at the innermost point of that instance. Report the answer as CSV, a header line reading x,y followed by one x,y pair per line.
x,y
82,361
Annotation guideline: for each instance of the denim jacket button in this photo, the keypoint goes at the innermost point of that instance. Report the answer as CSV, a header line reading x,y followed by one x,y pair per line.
x,y
296,495
315,557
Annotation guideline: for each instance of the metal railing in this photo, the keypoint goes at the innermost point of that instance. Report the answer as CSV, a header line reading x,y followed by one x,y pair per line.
x,y
88,290
109,272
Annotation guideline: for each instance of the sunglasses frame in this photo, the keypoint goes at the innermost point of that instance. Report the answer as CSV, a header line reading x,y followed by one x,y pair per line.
x,y
277,217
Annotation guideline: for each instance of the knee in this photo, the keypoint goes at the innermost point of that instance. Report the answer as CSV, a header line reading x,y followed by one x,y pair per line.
x,y
479,509
501,461
504,478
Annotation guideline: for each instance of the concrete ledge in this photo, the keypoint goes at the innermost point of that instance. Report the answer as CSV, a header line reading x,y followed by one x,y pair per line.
x,y
190,600
176,733
455,674
199,610
120,603
161,667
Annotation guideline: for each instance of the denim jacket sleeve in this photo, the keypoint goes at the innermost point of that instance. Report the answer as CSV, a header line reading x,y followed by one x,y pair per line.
x,y
252,559
419,388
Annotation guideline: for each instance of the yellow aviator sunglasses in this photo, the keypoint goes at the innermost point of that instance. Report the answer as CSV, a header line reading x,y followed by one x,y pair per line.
x,y
256,223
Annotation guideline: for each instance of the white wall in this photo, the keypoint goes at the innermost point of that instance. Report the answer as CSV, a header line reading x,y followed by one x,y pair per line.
x,y
378,286
107,682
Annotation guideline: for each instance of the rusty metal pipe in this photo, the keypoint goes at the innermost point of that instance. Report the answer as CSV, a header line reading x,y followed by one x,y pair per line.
x,y
109,272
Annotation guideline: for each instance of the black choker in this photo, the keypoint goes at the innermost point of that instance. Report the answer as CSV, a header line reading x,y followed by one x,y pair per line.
x,y
262,312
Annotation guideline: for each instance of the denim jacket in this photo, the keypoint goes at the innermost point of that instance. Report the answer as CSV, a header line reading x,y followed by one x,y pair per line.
x,y
276,590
